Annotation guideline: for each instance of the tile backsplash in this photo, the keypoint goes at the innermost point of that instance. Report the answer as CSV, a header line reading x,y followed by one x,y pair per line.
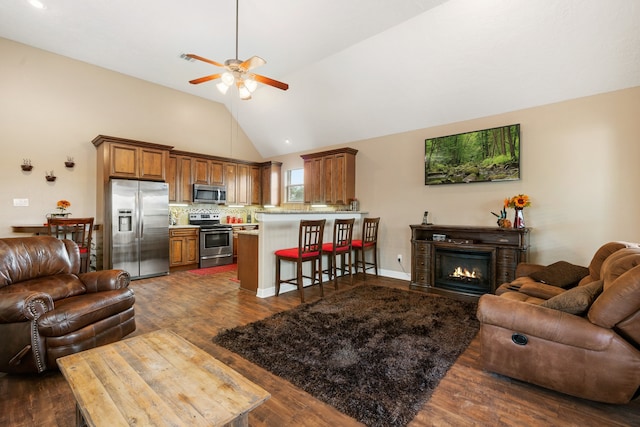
x,y
179,215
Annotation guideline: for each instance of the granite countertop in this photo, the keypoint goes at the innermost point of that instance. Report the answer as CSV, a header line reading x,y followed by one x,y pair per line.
x,y
184,226
250,232
308,212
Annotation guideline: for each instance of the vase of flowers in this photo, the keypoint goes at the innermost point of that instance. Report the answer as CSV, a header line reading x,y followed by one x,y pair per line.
x,y
62,207
518,203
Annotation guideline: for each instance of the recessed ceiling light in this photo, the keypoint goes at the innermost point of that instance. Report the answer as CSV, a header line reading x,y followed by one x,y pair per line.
x,y
37,4
286,141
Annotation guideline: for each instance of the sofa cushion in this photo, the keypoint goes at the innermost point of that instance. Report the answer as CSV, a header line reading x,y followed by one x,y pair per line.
x,y
75,313
576,300
59,286
561,274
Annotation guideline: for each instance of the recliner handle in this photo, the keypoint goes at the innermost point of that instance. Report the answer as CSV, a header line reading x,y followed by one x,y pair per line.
x,y
15,360
519,338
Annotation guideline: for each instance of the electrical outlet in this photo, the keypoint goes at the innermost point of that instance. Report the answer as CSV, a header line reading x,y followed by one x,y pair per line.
x,y
20,202
400,258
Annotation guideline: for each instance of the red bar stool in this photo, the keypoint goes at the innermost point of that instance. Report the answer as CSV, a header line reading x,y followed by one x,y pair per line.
x,y
341,246
77,229
368,242
309,250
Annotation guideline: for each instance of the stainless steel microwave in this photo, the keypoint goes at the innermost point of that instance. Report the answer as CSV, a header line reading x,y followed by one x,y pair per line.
x,y
213,194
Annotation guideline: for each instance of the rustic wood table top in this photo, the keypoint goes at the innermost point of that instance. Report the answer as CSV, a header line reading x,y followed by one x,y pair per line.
x,y
158,379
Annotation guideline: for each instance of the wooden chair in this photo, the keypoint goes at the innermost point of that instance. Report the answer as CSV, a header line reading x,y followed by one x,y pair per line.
x,y
341,246
309,249
77,229
367,242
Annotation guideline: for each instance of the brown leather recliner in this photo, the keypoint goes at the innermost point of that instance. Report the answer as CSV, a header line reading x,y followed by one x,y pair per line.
x,y
528,289
49,310
595,355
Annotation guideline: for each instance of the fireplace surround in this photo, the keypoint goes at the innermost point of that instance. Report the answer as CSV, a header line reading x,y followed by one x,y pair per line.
x,y
484,257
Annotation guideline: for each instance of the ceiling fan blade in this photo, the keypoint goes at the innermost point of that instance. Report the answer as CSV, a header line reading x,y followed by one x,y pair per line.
x,y
270,82
204,79
253,62
200,58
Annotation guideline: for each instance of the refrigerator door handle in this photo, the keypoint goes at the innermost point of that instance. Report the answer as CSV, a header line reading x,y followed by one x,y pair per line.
x,y
136,201
141,213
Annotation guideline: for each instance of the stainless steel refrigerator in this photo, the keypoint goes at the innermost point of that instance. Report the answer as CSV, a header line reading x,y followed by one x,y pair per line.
x,y
139,226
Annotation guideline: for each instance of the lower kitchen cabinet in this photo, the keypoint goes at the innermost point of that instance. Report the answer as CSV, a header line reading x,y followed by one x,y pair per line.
x,y
248,260
183,243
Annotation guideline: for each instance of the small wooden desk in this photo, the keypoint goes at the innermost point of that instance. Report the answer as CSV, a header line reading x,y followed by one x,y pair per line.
x,y
157,379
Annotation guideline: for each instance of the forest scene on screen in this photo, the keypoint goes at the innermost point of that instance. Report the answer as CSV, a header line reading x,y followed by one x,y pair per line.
x,y
479,156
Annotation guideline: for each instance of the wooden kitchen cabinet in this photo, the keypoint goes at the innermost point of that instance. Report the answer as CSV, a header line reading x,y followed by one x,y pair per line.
x,y
243,184
271,183
216,172
183,244
125,158
179,179
248,261
201,170
330,176
230,176
207,171
255,182
172,177
313,180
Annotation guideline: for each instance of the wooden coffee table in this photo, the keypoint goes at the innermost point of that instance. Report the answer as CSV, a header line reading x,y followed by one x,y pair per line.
x,y
157,379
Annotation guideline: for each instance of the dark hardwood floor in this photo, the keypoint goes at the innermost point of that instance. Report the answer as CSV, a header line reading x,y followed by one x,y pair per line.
x,y
198,307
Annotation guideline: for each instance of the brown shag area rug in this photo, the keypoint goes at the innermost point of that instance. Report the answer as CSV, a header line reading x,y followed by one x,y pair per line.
x,y
374,353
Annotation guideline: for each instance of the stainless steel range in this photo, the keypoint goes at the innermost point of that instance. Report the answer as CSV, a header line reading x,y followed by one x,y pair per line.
x,y
216,239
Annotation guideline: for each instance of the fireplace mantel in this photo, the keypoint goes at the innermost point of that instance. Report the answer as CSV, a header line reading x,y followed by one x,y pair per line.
x,y
508,247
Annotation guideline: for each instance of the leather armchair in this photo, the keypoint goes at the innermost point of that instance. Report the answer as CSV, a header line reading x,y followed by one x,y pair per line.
x,y
48,309
526,288
594,356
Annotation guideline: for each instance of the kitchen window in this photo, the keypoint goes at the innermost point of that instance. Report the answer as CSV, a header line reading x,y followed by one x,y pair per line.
x,y
295,186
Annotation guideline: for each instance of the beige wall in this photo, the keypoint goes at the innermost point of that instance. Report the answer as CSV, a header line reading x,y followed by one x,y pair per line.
x,y
579,166
579,157
52,107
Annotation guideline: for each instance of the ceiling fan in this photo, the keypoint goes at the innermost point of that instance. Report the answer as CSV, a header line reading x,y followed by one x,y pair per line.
x,y
237,72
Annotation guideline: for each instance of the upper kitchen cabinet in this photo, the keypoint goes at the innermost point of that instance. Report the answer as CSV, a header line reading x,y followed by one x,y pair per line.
x,y
216,172
255,182
230,177
126,158
208,171
179,179
201,171
271,183
330,176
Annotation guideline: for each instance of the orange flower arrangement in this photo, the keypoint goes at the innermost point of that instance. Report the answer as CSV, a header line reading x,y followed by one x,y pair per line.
x,y
63,205
520,201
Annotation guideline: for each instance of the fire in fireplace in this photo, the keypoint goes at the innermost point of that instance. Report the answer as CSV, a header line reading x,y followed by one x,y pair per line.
x,y
461,273
463,270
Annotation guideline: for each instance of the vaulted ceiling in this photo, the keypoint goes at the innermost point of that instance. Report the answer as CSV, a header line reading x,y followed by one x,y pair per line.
x,y
357,69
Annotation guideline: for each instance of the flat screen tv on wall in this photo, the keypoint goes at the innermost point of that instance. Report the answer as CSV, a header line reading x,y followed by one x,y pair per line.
x,y
480,156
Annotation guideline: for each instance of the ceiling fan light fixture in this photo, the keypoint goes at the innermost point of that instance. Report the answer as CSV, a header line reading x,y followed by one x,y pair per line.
x,y
222,87
250,84
237,72
245,94
227,78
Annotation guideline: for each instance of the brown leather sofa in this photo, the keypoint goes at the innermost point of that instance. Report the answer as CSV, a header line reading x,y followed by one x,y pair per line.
x,y
584,342
48,309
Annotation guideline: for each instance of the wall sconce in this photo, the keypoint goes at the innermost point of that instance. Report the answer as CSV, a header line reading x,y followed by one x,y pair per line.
x,y
50,176
26,165
69,163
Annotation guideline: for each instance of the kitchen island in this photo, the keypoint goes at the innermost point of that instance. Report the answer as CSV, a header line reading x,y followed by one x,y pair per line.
x,y
279,230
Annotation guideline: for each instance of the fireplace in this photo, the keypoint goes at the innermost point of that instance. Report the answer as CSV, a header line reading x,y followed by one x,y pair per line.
x,y
467,271
488,254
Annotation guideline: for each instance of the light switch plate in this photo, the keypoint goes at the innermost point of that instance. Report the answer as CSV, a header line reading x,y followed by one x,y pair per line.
x,y
20,202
